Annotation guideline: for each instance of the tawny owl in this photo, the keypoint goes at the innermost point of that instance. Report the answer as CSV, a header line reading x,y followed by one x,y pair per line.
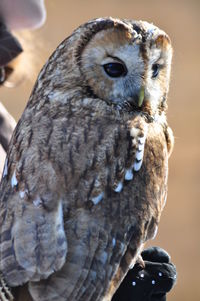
x,y
85,178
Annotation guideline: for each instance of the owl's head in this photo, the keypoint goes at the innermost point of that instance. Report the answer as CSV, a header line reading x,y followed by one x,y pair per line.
x,y
122,62
126,62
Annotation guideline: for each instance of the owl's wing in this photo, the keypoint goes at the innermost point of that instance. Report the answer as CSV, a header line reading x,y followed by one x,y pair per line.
x,y
30,201
32,239
118,154
82,164
33,243
97,159
106,180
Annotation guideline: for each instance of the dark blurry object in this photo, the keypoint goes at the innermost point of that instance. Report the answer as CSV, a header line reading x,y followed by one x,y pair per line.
x,y
5,72
9,46
151,283
7,125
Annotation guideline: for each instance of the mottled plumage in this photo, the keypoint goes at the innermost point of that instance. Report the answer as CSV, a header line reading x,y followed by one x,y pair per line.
x,y
85,179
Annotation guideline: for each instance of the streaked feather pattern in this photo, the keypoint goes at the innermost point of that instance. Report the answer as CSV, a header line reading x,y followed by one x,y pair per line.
x,y
85,179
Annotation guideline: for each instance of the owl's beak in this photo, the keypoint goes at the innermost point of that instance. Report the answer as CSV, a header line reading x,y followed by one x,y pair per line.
x,y
137,99
141,97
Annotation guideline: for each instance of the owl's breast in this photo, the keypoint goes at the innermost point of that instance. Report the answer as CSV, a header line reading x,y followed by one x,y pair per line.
x,y
148,189
138,184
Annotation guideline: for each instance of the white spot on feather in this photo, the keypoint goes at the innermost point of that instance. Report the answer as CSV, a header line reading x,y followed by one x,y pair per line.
x,y
22,193
134,132
14,180
141,147
5,170
137,165
54,95
134,283
119,187
153,282
60,212
97,199
129,174
113,242
37,202
139,154
86,101
59,219
141,140
103,258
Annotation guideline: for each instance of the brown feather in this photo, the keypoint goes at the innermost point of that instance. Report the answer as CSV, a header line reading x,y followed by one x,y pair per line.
x,y
87,168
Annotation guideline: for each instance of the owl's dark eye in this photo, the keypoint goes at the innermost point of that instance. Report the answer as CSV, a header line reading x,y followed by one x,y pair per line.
x,y
115,69
155,70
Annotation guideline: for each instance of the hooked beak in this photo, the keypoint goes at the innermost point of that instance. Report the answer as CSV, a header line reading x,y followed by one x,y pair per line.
x,y
136,101
141,97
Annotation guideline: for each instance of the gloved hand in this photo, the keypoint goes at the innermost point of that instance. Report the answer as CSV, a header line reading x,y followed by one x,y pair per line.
x,y
151,283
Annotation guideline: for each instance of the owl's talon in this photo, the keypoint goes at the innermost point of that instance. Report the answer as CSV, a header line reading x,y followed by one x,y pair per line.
x,y
140,263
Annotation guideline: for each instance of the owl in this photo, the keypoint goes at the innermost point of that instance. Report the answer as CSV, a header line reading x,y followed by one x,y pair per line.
x,y
85,179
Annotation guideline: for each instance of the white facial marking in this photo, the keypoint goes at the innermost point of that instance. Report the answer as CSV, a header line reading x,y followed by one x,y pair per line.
x,y
153,282
98,198
130,55
14,180
5,170
129,175
119,187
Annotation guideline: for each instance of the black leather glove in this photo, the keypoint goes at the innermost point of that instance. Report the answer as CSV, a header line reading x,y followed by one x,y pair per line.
x,y
151,283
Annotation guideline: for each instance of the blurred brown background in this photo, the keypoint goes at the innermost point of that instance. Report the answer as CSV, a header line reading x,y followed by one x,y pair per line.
x,y
179,227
